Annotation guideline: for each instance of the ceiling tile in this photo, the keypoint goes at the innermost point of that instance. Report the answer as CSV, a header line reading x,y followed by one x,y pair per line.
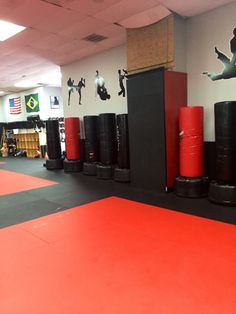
x,y
51,41
27,37
84,28
29,12
112,30
124,9
89,7
114,41
75,45
194,7
145,18
62,19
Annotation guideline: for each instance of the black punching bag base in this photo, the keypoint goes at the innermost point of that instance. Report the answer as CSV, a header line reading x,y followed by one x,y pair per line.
x,y
105,172
191,187
72,165
222,193
122,175
53,164
90,168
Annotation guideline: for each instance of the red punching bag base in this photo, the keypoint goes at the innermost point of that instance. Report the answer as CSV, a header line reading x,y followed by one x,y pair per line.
x,y
73,165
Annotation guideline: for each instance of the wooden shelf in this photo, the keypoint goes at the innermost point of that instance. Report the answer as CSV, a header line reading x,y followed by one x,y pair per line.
x,y
28,142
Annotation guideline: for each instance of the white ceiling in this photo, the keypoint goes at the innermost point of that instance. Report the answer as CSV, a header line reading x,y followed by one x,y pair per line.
x,y
56,28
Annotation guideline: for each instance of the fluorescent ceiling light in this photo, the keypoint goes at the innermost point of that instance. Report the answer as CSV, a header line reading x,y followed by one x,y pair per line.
x,y
1,92
8,30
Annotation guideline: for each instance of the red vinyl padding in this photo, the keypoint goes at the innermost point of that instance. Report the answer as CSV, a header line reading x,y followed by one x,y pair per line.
x,y
191,141
13,182
72,130
115,256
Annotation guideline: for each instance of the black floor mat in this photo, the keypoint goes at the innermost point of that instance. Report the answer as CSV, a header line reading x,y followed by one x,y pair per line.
x,y
77,189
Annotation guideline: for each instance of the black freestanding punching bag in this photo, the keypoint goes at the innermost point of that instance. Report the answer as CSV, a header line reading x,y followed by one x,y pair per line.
x,y
107,138
122,141
107,144
223,188
91,138
53,145
91,132
225,137
122,172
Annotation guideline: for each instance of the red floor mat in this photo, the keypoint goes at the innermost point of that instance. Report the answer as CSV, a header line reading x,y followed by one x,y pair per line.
x,y
13,182
118,257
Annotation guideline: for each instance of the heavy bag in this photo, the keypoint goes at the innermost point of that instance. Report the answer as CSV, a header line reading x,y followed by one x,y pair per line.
x,y
191,187
53,164
72,131
122,174
91,138
225,138
53,139
90,168
107,138
191,141
105,172
72,165
222,193
122,141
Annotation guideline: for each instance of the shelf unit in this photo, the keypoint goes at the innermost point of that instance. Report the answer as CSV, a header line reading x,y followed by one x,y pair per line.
x,y
28,142
154,99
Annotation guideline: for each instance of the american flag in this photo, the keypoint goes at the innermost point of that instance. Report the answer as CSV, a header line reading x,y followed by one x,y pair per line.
x,y
15,105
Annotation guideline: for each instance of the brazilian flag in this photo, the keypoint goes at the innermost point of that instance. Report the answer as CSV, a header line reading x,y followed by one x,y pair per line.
x,y
32,103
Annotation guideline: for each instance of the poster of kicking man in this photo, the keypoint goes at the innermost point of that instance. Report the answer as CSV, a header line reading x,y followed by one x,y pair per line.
x,y
122,76
71,86
79,87
229,70
100,88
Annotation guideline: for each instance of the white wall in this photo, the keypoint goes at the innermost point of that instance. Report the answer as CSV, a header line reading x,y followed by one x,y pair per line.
x,y
45,112
107,63
2,112
204,32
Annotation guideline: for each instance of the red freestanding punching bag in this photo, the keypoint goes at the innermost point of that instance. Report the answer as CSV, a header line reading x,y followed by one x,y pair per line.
x,y
191,141
72,130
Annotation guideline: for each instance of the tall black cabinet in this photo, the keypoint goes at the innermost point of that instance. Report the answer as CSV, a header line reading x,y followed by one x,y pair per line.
x,y
154,98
